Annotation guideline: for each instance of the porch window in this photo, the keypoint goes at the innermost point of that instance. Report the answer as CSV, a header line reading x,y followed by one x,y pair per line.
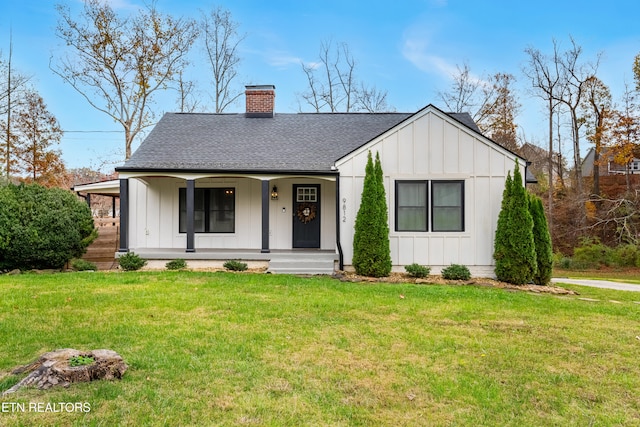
x,y
414,208
214,210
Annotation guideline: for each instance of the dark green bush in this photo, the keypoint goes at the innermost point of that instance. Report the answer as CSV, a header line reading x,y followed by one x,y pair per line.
x,y
42,228
83,265
131,262
176,264
235,265
456,272
417,270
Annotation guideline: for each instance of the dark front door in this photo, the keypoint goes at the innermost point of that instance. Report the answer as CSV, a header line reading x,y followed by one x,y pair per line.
x,y
306,216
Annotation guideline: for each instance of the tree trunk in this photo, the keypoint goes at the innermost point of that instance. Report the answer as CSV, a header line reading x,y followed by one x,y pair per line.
x,y
53,369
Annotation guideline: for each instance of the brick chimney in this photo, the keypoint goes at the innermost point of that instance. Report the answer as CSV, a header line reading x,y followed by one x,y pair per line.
x,y
260,100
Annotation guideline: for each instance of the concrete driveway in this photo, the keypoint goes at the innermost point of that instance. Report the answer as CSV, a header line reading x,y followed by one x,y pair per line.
x,y
606,284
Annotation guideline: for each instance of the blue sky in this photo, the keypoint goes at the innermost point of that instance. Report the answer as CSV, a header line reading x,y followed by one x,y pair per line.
x,y
408,48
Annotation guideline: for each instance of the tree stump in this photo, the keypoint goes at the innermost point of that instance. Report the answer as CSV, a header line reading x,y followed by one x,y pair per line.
x,y
53,369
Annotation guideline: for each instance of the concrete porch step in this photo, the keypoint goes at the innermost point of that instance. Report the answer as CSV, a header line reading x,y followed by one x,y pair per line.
x,y
303,263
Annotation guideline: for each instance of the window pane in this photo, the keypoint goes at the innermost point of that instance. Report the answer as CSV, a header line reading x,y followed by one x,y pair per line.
x,y
214,210
447,194
412,219
411,206
447,219
412,194
222,210
199,210
448,206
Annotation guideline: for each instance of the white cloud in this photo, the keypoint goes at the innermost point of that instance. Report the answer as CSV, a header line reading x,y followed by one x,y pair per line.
x,y
122,4
282,59
416,51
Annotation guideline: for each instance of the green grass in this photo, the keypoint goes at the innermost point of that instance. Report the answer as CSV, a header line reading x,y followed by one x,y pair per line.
x,y
276,350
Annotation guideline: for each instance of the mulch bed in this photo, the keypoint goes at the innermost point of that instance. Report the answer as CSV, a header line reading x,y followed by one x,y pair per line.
x,y
346,276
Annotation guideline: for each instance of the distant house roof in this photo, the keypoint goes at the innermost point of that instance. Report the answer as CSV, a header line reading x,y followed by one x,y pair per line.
x,y
303,142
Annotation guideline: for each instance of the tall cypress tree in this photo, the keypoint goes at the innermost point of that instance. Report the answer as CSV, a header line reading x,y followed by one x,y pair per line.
x,y
542,239
371,254
383,221
514,249
501,241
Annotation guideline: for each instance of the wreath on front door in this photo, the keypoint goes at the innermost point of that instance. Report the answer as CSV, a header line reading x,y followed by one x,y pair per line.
x,y
306,212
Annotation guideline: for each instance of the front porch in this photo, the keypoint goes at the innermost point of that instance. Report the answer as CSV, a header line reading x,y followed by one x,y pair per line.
x,y
295,261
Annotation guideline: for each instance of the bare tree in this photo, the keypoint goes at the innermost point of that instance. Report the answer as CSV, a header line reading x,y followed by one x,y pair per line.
x,y
575,75
187,102
372,100
490,101
464,93
13,87
333,86
596,106
221,40
118,64
546,80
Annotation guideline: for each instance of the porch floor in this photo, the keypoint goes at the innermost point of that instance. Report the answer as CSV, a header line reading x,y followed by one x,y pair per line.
x,y
292,261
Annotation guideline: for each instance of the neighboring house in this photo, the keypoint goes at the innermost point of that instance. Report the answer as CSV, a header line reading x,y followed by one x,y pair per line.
x,y
608,166
285,188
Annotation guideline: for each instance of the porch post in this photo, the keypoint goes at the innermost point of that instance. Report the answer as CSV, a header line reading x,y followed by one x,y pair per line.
x,y
265,216
191,185
338,239
124,215
88,200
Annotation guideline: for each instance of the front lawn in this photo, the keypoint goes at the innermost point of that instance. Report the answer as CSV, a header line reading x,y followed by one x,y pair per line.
x,y
278,350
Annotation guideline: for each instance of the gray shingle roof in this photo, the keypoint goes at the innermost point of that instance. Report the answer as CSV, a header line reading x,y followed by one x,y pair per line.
x,y
232,142
304,142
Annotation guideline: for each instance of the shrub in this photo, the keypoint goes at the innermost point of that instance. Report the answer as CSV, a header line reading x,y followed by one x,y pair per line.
x,y
176,264
235,265
591,254
626,256
371,253
83,265
416,270
563,262
131,262
42,228
456,272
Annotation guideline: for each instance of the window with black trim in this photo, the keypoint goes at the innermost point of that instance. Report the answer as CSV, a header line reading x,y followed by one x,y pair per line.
x,y
411,205
447,205
415,210
214,210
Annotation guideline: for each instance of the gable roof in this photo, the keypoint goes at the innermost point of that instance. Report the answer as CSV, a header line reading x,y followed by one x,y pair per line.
x,y
303,142
290,143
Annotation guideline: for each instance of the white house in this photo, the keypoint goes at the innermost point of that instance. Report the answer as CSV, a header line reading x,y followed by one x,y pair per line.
x,y
285,188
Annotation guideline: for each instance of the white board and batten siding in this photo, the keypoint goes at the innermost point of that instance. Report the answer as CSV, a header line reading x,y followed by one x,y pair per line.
x,y
432,146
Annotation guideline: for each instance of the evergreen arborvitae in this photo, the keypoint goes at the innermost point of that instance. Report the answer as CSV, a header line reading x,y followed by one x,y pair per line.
x,y
514,249
371,254
501,243
542,239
